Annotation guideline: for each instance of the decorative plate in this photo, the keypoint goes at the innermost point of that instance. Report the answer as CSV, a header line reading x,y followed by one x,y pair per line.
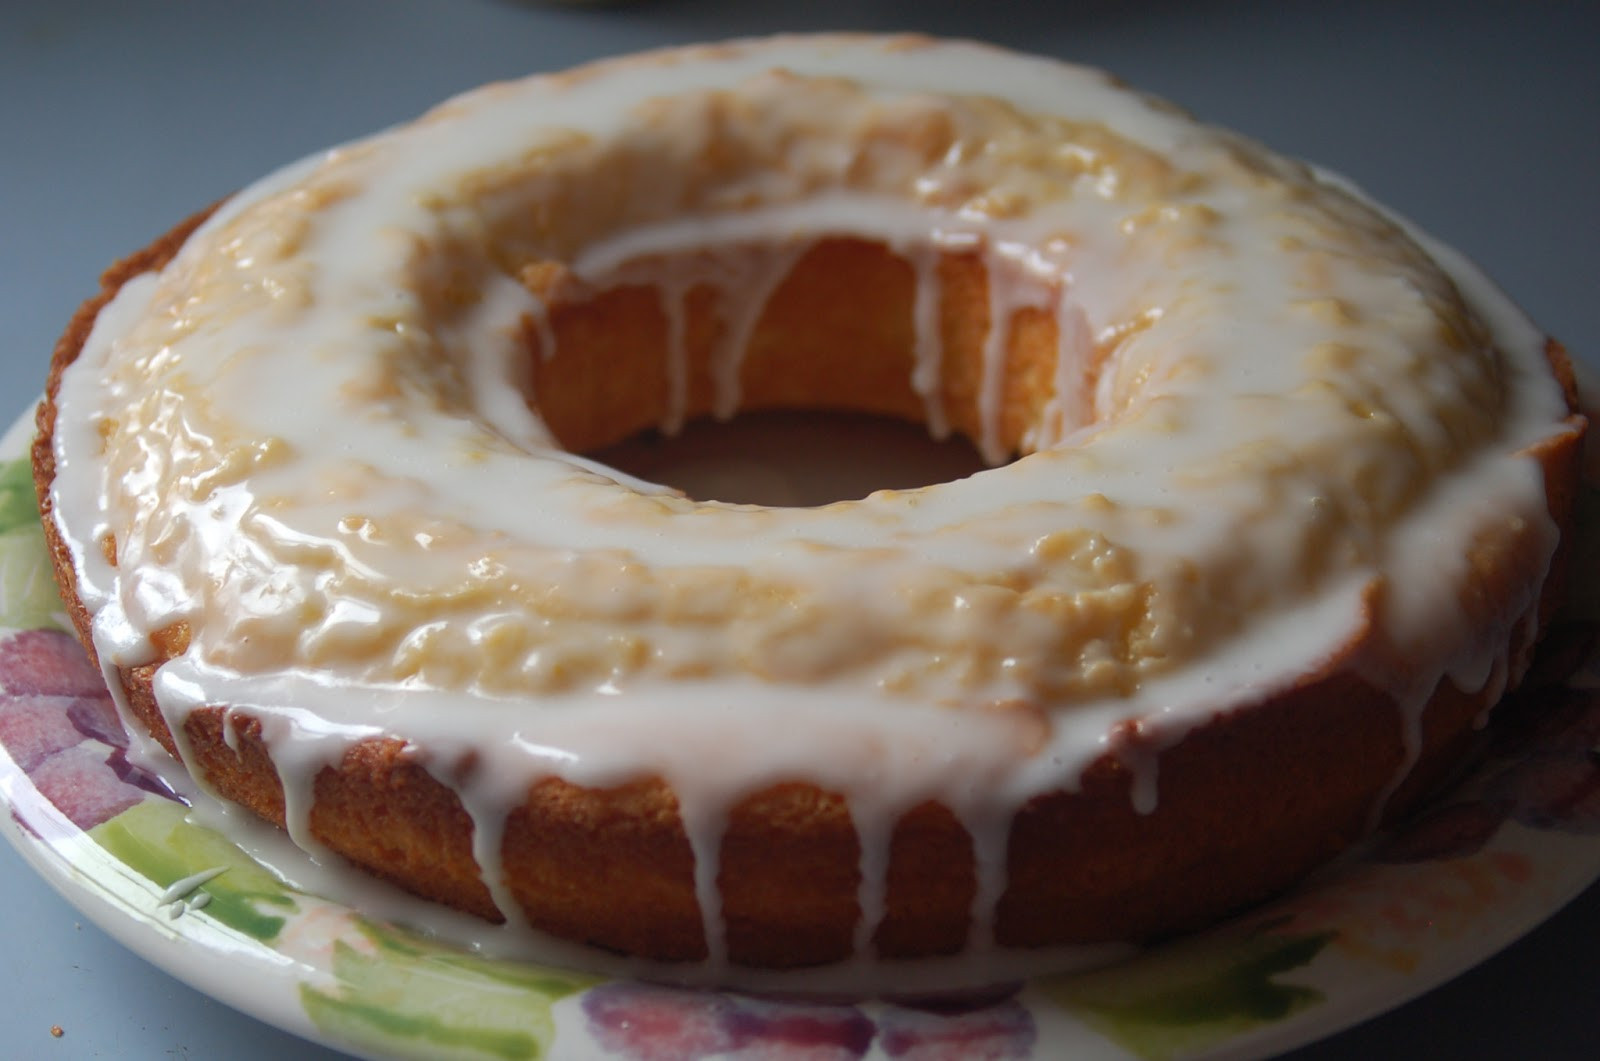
x,y
1482,866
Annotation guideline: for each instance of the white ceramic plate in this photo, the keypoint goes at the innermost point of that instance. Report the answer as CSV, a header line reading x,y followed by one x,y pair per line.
x,y
1485,864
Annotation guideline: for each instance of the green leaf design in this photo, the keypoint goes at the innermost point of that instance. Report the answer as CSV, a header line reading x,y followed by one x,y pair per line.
x,y
394,992
29,599
408,997
19,506
156,839
28,596
1190,996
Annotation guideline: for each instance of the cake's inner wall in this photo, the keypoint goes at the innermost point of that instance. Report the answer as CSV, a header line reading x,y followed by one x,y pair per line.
x,y
838,332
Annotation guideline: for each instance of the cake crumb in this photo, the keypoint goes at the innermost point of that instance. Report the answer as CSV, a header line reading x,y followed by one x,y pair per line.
x,y
56,1030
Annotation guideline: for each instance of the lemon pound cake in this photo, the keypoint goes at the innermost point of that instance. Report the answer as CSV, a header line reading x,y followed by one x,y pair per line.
x,y
1280,497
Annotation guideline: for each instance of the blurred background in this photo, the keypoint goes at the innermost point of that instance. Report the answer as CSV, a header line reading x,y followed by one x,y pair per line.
x,y
1480,121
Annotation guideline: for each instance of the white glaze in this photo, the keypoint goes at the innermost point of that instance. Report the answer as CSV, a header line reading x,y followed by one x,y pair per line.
x,y
305,397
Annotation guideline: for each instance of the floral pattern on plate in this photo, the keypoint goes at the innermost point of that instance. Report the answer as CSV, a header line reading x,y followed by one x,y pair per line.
x,y
1480,867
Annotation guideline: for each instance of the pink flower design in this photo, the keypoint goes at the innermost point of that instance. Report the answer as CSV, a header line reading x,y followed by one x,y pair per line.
x,y
646,1023
49,662
33,728
83,786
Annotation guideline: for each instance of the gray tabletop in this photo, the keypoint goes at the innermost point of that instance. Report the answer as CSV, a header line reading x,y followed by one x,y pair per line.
x,y
1479,120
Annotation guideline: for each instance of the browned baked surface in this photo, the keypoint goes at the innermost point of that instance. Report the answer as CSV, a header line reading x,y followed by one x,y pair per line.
x,y
614,867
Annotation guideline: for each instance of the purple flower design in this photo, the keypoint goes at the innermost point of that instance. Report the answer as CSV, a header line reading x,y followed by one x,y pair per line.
x,y
58,725
999,1031
1544,772
1453,830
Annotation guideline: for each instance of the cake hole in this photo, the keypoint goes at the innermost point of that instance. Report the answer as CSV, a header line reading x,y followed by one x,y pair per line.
x,y
788,459
842,323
